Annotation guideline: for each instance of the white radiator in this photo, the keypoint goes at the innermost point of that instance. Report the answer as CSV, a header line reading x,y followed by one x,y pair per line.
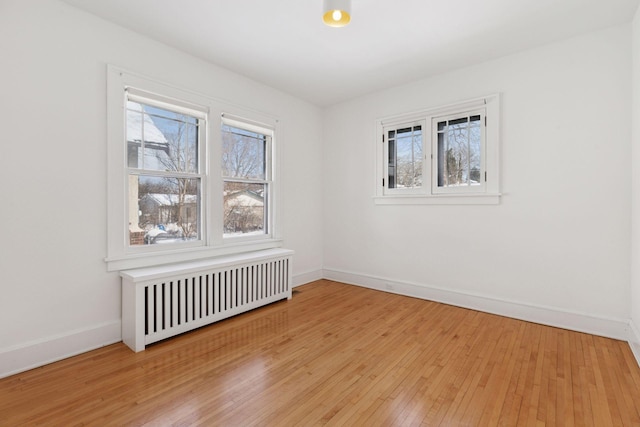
x,y
160,302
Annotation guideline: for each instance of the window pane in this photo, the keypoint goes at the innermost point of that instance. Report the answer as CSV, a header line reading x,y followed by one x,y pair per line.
x,y
475,152
167,209
159,139
459,152
405,158
243,153
134,138
442,148
244,208
392,159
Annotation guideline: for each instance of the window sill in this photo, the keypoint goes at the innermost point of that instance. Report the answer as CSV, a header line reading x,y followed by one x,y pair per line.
x,y
194,254
440,199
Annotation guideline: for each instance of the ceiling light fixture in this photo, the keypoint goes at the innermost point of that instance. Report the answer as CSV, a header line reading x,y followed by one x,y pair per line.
x,y
336,13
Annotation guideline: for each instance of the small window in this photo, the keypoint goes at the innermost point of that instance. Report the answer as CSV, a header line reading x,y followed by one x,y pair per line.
x,y
246,171
405,157
445,155
459,155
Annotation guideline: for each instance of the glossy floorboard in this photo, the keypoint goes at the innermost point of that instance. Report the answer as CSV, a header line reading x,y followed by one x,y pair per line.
x,y
341,355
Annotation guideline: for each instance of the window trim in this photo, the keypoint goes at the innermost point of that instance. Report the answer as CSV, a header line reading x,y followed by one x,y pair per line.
x,y
119,257
428,193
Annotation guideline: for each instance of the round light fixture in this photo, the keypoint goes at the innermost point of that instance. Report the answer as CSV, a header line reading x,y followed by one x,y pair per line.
x,y
336,13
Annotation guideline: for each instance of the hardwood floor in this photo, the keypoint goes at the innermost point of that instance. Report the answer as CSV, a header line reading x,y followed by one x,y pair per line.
x,y
341,355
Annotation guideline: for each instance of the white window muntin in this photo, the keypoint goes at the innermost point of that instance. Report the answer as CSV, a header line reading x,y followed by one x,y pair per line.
x,y
438,157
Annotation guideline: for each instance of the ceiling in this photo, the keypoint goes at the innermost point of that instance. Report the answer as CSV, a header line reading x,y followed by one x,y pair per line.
x,y
284,44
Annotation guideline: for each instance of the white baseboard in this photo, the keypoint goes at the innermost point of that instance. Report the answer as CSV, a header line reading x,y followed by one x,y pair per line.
x,y
42,352
634,339
38,353
308,277
551,316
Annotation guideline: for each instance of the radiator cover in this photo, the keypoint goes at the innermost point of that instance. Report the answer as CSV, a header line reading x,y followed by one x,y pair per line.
x,y
160,302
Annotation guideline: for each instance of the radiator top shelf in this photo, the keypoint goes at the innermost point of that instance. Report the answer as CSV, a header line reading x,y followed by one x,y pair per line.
x,y
152,273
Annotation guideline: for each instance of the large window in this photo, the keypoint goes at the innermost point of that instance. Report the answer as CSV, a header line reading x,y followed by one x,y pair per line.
x,y
246,171
445,155
164,173
189,177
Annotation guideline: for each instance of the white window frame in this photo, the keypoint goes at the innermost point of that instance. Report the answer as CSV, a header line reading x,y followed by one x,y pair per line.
x,y
120,255
429,193
230,120
395,125
481,188
200,112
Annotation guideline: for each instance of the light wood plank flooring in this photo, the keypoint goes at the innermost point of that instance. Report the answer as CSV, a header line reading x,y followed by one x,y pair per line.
x,y
341,355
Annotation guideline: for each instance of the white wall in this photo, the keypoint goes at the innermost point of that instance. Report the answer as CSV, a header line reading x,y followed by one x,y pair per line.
x,y
635,236
56,297
556,250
